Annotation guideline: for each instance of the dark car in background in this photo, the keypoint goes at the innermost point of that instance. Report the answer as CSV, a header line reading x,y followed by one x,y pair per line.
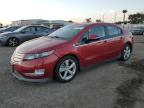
x,y
138,31
23,34
11,28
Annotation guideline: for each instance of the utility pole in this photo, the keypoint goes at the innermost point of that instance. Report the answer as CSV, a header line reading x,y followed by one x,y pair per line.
x,y
103,17
115,17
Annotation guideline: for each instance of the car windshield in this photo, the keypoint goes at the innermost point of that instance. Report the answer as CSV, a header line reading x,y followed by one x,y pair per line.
x,y
2,28
67,32
20,29
12,28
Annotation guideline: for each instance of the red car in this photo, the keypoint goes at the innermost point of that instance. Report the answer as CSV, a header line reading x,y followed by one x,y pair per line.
x,y
64,52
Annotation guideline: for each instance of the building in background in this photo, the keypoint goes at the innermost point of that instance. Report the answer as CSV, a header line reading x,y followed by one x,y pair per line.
x,y
49,23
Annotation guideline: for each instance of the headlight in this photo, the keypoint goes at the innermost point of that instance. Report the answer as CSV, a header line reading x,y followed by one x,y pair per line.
x,y
38,55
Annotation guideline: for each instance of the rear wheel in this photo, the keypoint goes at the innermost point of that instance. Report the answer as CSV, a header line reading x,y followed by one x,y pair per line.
x,y
13,42
126,53
66,69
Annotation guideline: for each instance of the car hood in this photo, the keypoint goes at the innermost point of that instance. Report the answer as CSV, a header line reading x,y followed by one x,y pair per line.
x,y
2,30
39,45
8,34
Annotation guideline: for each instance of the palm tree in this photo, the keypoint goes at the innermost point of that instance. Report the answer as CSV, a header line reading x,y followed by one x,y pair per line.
x,y
124,12
88,20
98,20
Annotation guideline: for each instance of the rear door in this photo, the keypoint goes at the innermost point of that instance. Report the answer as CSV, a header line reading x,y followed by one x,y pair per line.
x,y
114,40
42,31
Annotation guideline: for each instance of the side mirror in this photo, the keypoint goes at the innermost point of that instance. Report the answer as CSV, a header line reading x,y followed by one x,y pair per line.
x,y
93,37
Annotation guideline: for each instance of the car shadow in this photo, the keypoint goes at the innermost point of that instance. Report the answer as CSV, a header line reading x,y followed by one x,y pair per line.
x,y
91,68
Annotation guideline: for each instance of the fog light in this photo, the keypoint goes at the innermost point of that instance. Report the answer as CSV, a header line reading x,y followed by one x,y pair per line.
x,y
39,72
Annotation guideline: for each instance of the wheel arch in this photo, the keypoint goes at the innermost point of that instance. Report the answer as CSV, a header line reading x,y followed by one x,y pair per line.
x,y
73,55
12,37
130,44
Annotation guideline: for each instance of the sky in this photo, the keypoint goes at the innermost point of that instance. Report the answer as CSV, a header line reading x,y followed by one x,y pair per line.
x,y
76,10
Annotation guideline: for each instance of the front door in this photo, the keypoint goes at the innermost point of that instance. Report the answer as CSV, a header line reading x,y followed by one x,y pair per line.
x,y
93,51
28,33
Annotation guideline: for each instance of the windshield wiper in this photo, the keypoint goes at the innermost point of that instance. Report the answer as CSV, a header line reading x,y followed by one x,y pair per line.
x,y
57,37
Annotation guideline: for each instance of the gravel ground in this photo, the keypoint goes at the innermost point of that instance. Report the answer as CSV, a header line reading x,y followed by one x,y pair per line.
x,y
113,84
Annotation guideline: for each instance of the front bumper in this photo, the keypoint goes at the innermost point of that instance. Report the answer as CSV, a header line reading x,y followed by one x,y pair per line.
x,y
20,77
25,70
3,41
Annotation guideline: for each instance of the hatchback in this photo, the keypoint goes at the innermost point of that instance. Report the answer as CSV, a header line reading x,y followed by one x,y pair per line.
x,y
64,52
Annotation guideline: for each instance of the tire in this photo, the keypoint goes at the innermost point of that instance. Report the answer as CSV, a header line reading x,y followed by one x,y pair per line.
x,y
66,69
126,53
13,42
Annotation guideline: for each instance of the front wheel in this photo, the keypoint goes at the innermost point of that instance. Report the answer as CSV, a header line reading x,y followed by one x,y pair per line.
x,y
13,42
66,69
126,53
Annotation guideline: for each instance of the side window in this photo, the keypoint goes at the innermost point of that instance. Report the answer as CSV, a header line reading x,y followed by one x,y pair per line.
x,y
41,29
113,31
29,29
10,28
98,30
84,38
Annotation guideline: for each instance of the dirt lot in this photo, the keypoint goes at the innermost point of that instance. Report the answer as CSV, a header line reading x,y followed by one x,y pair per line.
x,y
112,84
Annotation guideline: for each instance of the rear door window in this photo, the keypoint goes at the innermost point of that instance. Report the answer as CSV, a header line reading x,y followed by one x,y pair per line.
x,y
42,29
113,31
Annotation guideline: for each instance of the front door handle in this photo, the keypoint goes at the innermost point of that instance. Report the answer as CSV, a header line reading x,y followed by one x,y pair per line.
x,y
77,45
105,41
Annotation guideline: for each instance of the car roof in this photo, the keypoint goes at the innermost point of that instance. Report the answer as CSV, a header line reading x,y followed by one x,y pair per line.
x,y
91,24
35,26
87,25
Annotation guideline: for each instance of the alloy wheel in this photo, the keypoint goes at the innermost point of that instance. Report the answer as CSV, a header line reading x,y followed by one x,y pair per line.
x,y
13,42
67,69
127,52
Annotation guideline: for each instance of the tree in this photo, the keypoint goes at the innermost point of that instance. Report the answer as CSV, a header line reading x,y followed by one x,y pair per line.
x,y
124,12
119,22
98,20
88,20
136,18
1,25
70,21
